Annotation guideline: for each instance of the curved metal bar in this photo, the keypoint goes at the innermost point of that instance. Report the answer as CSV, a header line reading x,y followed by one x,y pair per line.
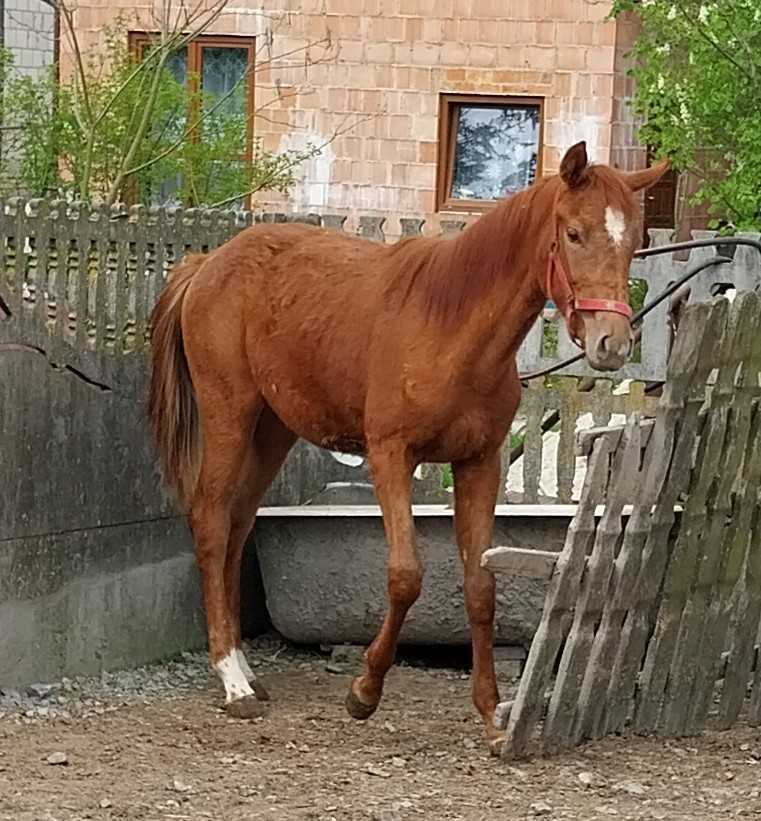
x,y
664,294
697,243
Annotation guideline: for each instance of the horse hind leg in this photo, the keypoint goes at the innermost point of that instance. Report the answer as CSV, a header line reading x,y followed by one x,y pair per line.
x,y
227,431
271,444
476,486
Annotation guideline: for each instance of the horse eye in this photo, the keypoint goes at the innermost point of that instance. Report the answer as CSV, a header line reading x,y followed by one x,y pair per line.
x,y
573,235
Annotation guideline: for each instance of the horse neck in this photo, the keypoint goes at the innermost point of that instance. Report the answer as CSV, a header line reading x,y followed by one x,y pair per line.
x,y
503,257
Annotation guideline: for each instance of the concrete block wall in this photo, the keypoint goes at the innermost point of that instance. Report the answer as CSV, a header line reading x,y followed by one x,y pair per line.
x,y
394,59
30,33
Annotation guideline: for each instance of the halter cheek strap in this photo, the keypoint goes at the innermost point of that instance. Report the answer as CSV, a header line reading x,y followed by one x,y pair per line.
x,y
559,289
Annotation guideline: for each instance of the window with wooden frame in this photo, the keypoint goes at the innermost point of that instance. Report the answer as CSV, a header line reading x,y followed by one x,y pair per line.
x,y
218,71
489,147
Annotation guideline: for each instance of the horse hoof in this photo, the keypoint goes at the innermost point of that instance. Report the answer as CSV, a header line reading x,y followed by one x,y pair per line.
x,y
245,708
496,745
260,691
358,709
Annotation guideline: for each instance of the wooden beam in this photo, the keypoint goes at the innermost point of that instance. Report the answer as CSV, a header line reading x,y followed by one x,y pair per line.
x,y
586,438
520,561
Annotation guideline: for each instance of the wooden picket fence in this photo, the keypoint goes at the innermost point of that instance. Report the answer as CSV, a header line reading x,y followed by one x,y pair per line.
x,y
651,619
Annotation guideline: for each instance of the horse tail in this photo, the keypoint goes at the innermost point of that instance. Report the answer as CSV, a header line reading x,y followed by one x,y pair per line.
x,y
172,403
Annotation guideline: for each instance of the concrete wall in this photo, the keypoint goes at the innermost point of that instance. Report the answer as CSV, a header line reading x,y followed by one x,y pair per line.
x,y
29,34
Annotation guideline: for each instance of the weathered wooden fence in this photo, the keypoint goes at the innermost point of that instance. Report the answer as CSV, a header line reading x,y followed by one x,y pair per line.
x,y
656,595
78,285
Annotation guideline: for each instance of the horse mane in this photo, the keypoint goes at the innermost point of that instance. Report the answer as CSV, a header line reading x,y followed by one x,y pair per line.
x,y
451,275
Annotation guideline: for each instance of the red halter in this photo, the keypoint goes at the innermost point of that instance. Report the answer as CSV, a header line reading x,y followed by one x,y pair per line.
x,y
559,289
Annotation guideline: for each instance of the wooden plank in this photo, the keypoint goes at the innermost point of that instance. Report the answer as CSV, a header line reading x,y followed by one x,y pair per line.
x,y
754,707
558,610
80,247
140,280
735,498
565,464
645,586
568,694
645,550
600,690
38,246
102,277
744,556
682,567
695,663
533,407
585,438
520,561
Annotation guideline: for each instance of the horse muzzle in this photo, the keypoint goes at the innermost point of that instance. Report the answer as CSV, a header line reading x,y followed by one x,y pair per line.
x,y
608,340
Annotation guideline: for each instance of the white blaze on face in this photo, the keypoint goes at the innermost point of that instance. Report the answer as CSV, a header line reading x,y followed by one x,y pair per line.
x,y
615,225
228,669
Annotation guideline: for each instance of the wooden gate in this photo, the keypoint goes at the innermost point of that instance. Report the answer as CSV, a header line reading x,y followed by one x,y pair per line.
x,y
652,613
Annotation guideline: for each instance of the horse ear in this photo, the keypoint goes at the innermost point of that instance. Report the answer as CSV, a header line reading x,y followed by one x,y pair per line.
x,y
574,165
637,180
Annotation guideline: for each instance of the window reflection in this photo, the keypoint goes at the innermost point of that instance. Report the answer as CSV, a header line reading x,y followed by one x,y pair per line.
x,y
496,150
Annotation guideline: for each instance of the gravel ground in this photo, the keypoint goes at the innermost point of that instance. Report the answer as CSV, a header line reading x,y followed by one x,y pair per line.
x,y
155,743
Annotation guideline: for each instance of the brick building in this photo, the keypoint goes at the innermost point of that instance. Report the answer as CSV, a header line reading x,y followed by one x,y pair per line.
x,y
458,101
29,33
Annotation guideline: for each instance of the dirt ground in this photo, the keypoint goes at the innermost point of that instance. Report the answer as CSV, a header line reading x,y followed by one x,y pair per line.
x,y
421,757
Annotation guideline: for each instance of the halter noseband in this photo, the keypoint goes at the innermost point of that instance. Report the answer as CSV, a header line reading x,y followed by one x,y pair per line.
x,y
559,288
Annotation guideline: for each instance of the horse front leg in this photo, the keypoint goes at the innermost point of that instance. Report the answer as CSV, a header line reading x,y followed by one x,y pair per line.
x,y
476,485
392,469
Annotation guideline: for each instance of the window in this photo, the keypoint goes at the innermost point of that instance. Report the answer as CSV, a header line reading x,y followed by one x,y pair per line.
x,y
489,147
221,68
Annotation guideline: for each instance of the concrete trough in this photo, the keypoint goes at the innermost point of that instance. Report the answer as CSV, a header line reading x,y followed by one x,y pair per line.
x,y
324,572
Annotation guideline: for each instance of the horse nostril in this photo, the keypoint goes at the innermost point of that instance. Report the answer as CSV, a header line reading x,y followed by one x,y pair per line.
x,y
603,348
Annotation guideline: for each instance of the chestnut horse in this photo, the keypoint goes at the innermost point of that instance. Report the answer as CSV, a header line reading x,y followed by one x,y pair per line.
x,y
405,353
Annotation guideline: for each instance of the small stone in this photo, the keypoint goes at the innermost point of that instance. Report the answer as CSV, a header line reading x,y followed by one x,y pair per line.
x,y
371,769
105,803
345,658
745,747
540,808
57,759
180,786
586,779
398,762
40,690
389,727
630,788
729,776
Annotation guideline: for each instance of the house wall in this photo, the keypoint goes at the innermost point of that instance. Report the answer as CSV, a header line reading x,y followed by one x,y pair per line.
x,y
29,33
394,58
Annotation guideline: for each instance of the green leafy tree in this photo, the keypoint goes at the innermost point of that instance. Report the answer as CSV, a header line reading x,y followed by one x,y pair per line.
x,y
122,128
697,66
